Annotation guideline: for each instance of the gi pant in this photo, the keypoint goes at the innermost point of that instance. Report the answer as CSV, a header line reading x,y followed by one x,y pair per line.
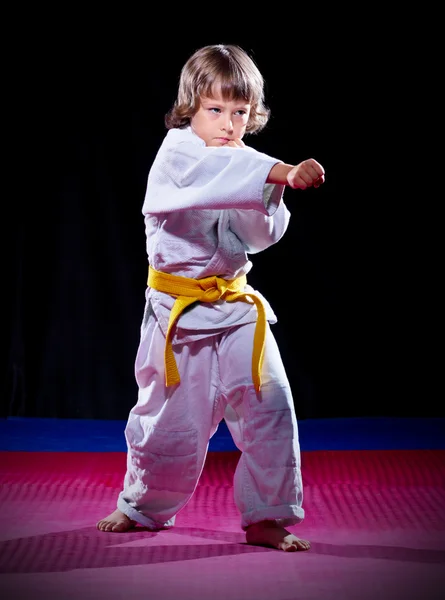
x,y
168,430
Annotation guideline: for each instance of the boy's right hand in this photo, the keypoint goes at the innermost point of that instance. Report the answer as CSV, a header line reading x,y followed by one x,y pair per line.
x,y
236,143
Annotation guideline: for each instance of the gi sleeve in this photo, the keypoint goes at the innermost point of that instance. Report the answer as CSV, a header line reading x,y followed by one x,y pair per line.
x,y
189,176
256,230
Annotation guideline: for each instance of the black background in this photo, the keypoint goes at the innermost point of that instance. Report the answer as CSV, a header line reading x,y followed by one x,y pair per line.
x,y
353,282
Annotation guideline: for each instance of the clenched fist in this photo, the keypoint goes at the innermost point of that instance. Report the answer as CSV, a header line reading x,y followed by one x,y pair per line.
x,y
236,143
308,173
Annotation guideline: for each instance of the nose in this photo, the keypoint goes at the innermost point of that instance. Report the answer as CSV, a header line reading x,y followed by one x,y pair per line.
x,y
226,124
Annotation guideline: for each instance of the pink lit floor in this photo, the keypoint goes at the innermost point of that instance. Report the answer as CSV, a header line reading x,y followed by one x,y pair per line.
x,y
376,520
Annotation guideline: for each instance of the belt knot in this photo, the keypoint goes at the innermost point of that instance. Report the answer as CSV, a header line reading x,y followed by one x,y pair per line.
x,y
208,289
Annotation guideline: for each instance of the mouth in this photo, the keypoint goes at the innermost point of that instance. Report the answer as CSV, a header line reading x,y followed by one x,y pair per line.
x,y
223,140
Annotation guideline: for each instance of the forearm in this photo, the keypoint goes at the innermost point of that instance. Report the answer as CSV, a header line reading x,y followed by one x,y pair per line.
x,y
278,174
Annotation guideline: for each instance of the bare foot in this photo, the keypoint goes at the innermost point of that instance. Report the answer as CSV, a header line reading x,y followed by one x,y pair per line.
x,y
117,522
268,533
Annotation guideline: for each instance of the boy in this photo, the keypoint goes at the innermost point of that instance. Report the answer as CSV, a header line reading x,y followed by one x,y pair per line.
x,y
206,350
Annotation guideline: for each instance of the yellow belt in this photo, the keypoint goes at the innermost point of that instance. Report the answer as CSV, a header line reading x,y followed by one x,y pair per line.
x,y
209,289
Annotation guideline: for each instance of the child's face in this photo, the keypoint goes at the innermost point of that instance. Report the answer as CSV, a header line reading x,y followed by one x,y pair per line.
x,y
218,121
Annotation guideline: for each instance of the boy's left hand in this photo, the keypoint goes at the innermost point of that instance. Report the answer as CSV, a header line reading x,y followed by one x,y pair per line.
x,y
308,173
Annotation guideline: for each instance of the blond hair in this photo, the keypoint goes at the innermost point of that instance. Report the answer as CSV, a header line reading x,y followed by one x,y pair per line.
x,y
236,75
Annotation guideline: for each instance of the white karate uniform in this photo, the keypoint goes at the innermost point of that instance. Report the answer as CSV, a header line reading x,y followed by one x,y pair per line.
x,y
206,209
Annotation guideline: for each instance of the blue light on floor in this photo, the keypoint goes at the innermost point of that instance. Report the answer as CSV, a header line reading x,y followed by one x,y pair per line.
x,y
89,435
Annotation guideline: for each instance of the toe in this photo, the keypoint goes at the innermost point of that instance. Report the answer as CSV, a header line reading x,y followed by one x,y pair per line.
x,y
100,525
303,545
289,547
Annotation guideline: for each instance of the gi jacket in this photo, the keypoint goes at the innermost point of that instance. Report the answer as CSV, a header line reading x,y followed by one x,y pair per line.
x,y
206,209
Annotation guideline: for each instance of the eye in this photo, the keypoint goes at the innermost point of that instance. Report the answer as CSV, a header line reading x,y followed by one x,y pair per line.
x,y
215,110
241,112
